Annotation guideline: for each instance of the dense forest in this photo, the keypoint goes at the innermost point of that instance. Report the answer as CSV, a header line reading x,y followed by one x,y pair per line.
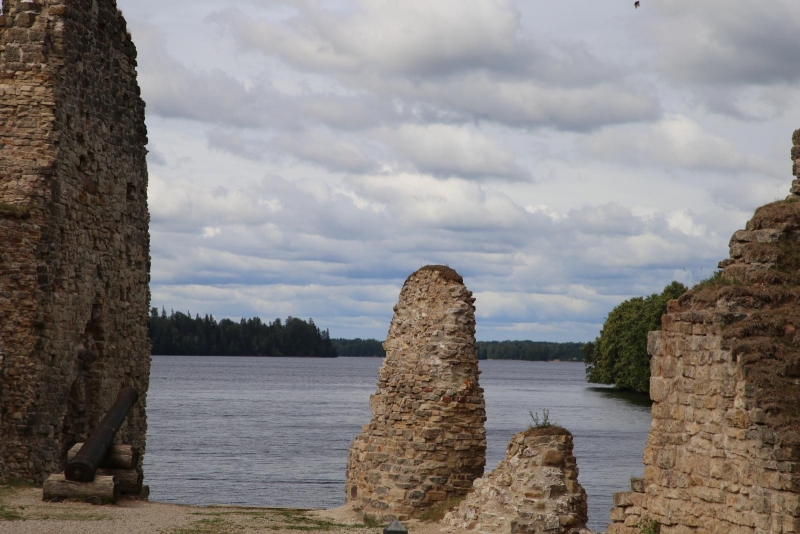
x,y
539,351
619,354
359,347
179,334
487,350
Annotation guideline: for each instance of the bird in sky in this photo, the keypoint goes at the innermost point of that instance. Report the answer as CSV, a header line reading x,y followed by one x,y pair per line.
x,y
636,4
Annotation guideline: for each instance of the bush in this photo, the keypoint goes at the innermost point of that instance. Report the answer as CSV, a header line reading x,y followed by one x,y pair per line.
x,y
619,355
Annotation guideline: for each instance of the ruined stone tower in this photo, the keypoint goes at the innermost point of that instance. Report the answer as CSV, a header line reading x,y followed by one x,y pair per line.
x,y
723,453
426,441
74,243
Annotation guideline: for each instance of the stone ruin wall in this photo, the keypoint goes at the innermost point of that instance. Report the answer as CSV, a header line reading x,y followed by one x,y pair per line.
x,y
723,453
426,441
74,243
534,489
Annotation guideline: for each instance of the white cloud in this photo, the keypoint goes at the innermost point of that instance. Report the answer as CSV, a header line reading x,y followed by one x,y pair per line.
x,y
729,42
448,150
679,143
437,60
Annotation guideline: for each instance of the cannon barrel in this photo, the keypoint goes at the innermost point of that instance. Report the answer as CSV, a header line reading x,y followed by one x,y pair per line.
x,y
83,466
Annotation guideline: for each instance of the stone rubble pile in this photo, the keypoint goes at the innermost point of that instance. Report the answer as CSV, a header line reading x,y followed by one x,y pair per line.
x,y
534,489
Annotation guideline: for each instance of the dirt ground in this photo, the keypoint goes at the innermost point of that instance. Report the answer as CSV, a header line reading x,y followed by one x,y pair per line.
x,y
23,512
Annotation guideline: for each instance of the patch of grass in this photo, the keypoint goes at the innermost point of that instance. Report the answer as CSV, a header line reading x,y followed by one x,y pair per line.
x,y
370,521
438,510
9,515
544,422
72,516
716,280
7,487
267,518
204,526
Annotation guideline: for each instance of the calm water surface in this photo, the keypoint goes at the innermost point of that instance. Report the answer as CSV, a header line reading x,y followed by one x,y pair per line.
x,y
275,431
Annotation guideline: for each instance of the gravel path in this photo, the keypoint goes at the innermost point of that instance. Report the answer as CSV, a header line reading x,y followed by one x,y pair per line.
x,y
23,512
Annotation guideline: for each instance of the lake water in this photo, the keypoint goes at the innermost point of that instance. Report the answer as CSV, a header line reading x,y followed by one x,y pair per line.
x,y
275,431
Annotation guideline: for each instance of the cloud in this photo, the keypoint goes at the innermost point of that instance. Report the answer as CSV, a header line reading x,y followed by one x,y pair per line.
x,y
676,142
335,153
414,37
310,155
445,150
172,90
434,66
729,42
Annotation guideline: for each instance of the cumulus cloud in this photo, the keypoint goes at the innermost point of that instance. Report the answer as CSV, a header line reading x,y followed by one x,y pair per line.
x,y
428,61
447,150
736,57
729,42
335,153
678,142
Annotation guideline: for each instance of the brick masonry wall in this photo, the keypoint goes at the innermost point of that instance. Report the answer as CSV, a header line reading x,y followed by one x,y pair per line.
x,y
74,246
723,453
426,441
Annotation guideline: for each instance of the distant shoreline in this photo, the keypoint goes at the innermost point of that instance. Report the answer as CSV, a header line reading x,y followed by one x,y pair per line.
x,y
334,357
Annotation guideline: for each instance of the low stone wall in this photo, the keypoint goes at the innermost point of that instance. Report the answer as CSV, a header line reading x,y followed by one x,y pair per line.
x,y
426,441
534,489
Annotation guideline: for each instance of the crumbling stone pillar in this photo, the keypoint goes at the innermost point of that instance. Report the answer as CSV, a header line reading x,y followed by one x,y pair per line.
x,y
74,242
534,489
426,441
723,453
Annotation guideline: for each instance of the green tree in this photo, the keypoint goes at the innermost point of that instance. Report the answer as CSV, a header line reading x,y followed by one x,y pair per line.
x,y
619,355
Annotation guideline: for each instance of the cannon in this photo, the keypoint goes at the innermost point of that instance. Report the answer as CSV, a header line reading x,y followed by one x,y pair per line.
x,y
82,467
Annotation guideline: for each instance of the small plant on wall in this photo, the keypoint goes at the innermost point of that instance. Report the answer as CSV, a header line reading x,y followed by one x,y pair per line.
x,y
649,526
544,422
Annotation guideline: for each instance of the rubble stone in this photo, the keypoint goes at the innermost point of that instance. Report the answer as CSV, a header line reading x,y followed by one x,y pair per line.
x,y
534,489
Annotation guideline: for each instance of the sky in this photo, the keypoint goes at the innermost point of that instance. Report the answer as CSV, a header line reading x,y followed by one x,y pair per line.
x,y
305,157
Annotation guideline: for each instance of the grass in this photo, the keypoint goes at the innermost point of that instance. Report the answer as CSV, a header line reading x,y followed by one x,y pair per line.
x,y
9,515
267,519
545,421
716,280
370,521
8,486
438,510
204,526
71,516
